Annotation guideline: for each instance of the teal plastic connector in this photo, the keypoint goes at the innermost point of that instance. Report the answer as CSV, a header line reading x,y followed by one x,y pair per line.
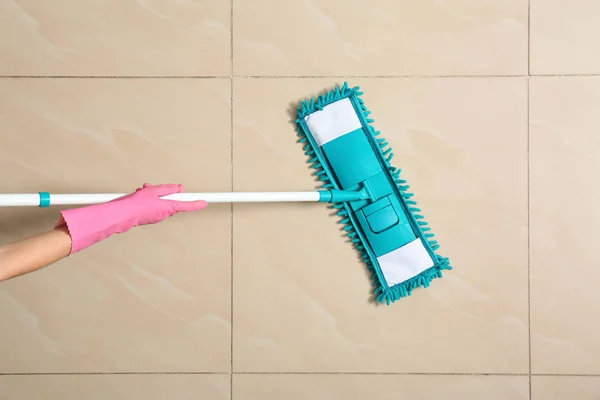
x,y
342,196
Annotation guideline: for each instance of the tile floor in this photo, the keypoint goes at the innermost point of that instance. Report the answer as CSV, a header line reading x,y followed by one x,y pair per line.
x,y
492,109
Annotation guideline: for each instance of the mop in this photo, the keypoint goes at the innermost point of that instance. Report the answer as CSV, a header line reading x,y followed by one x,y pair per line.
x,y
352,161
387,227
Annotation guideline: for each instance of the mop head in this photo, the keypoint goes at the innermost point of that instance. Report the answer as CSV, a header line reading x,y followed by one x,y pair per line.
x,y
387,228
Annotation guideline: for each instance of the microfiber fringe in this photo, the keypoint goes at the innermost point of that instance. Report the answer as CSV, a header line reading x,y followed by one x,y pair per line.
x,y
381,291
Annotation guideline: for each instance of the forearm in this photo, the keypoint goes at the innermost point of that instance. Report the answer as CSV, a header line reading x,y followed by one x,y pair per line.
x,y
31,254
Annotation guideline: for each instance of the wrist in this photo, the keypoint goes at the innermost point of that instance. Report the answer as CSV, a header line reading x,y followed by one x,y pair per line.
x,y
92,224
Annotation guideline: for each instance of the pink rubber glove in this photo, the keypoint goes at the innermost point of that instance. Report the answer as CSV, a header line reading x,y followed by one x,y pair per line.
x,y
89,225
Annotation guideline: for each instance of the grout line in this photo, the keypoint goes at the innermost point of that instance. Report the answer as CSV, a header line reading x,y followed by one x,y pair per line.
x,y
117,76
386,373
564,75
297,76
108,373
567,375
231,75
250,76
297,373
529,48
275,373
231,247
232,175
410,76
374,76
528,245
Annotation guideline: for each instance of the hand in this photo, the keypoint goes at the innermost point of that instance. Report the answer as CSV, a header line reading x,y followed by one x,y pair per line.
x,y
146,206
89,225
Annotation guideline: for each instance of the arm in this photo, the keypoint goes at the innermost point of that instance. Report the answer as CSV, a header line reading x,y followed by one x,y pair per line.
x,y
80,228
31,254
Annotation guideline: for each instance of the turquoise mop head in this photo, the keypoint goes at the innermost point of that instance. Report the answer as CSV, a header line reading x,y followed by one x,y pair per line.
x,y
387,227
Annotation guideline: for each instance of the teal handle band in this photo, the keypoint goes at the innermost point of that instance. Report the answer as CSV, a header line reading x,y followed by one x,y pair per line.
x,y
44,199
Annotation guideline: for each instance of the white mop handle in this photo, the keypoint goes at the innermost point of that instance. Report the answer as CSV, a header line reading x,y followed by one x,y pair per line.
x,y
45,199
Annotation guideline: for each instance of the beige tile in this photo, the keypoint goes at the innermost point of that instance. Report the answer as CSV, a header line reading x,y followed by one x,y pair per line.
x,y
564,37
387,37
565,387
302,298
113,37
115,387
565,159
154,299
379,387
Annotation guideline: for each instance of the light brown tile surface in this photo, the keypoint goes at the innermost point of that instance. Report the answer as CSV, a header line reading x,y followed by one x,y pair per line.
x,y
155,299
564,37
379,387
302,298
565,387
385,37
159,298
565,161
116,387
114,37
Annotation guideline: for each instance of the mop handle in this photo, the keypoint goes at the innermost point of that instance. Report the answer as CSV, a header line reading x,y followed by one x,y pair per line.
x,y
45,199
